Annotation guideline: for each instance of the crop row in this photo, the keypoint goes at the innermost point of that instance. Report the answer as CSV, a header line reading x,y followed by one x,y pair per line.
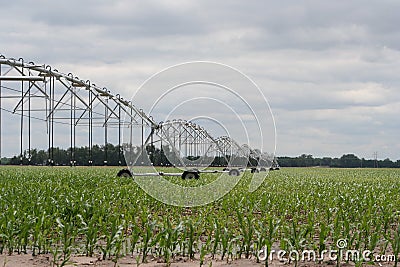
x,y
74,211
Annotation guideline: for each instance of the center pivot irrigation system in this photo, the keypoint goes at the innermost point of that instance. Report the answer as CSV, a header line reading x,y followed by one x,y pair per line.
x,y
41,95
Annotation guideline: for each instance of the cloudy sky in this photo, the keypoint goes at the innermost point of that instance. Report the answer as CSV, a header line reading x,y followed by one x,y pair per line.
x,y
330,69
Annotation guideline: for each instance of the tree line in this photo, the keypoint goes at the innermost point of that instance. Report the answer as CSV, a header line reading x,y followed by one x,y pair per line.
x,y
98,155
112,155
345,161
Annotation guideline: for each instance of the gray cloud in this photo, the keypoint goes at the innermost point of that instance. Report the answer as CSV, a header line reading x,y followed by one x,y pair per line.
x,y
329,68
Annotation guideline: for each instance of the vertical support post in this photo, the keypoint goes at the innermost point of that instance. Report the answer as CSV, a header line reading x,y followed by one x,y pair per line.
x,y
196,142
105,132
21,122
131,129
191,142
0,116
172,133
52,120
71,129
90,126
48,122
153,149
74,125
187,141
29,122
119,130
162,152
180,133
142,156
130,133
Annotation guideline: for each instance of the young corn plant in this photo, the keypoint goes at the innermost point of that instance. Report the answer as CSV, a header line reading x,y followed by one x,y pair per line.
x,y
134,238
216,238
394,240
296,240
36,244
226,236
204,248
176,239
147,238
8,231
114,239
67,234
168,240
24,232
247,230
374,238
234,247
58,259
322,237
89,230
260,243
337,230
270,236
190,238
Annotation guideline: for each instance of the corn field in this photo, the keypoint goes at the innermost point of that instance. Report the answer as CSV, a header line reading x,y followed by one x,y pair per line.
x,y
89,211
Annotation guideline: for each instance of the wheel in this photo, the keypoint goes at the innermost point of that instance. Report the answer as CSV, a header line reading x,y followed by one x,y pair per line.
x,y
254,170
190,175
263,169
234,172
124,173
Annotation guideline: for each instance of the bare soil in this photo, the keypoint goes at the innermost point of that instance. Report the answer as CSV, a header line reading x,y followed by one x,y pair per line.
x,y
25,260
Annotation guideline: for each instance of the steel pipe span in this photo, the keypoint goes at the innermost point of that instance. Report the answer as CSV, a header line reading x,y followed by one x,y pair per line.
x,y
41,92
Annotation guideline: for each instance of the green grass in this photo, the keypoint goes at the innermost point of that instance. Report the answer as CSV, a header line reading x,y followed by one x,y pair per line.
x,y
90,211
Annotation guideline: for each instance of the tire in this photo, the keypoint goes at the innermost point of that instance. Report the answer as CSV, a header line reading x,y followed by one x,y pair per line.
x,y
190,175
234,172
254,170
124,173
263,169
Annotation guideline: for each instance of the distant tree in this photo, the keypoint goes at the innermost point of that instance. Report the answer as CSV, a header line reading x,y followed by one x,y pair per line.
x,y
350,161
325,161
5,161
387,163
305,160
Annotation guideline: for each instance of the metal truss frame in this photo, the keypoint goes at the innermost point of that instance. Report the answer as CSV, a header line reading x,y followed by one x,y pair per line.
x,y
34,91
41,92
